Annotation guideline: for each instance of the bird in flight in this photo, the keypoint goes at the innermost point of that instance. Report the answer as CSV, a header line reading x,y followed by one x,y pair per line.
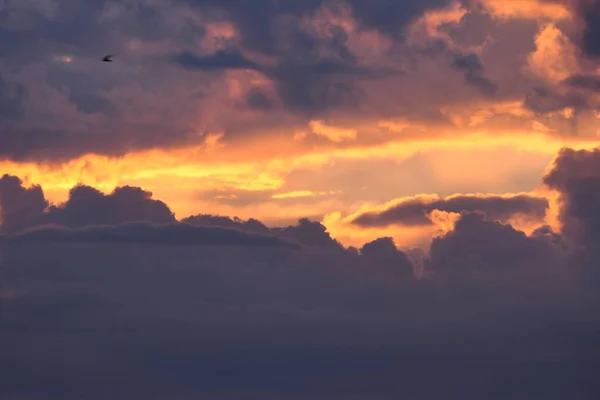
x,y
107,58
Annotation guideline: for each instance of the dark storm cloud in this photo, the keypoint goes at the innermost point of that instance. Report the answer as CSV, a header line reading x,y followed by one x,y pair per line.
x,y
589,82
12,96
471,66
590,13
258,20
219,61
544,100
308,81
305,84
143,100
392,16
415,211
258,100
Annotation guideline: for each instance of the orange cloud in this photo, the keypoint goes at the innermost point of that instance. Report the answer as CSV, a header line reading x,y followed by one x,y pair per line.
x,y
178,176
555,57
332,133
531,9
302,193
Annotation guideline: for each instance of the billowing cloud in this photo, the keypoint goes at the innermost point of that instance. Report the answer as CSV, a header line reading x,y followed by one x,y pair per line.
x,y
382,252
476,243
186,70
88,206
19,206
22,207
575,176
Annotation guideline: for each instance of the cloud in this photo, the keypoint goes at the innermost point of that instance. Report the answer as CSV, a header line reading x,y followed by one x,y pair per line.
x,y
416,211
589,82
219,61
276,323
590,14
22,207
479,244
19,206
574,175
207,220
88,206
383,252
267,317
147,233
473,69
187,69
11,98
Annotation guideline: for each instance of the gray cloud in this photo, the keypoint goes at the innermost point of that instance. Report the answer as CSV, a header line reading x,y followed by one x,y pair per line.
x,y
264,317
415,211
589,82
274,323
476,243
473,69
173,234
19,206
219,61
311,60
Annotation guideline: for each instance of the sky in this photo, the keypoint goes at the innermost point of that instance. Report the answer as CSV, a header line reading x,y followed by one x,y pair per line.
x,y
285,199
280,110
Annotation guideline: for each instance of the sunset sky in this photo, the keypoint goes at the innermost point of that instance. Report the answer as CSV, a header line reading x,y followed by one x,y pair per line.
x,y
416,185
279,110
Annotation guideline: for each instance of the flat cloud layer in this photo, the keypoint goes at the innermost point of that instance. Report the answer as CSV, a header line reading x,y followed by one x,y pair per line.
x,y
415,211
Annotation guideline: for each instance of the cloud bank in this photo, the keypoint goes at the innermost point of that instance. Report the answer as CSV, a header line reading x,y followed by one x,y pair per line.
x,y
188,69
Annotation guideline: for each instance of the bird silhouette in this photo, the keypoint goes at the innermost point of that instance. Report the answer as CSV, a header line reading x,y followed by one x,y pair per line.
x,y
107,58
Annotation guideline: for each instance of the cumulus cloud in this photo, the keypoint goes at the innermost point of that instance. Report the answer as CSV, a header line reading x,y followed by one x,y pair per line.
x,y
476,243
575,176
383,253
22,207
19,206
88,206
